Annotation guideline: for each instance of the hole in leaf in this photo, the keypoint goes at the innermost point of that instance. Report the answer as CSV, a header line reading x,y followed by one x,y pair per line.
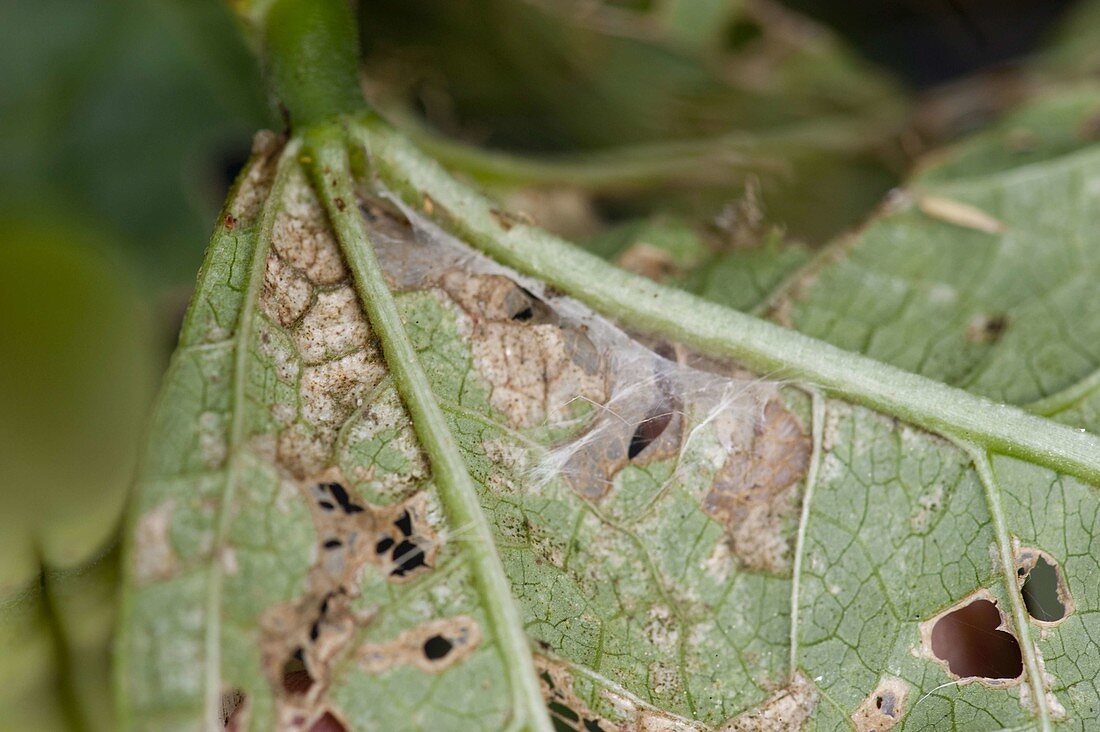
x,y
1040,592
404,523
407,556
650,428
333,544
232,706
593,725
296,677
437,647
565,719
341,495
384,545
328,723
969,641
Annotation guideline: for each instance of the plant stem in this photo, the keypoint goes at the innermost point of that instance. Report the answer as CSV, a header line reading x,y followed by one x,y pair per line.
x,y
333,180
760,345
312,54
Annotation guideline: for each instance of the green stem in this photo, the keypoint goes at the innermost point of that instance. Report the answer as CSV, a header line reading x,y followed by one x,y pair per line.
x,y
312,54
760,345
718,159
457,492
1007,558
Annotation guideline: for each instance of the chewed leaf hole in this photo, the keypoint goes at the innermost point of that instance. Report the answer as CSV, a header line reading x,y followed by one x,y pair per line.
x,y
1042,590
650,428
969,641
408,557
232,709
437,647
296,677
883,708
328,723
565,719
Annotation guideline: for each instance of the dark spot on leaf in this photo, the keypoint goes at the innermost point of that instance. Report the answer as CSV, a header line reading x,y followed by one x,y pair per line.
x,y
887,704
326,505
437,647
407,556
296,677
333,544
969,641
1040,592
404,523
315,630
524,315
328,723
987,328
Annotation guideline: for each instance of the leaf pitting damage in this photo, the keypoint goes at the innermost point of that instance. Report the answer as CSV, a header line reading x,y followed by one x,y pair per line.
x,y
643,499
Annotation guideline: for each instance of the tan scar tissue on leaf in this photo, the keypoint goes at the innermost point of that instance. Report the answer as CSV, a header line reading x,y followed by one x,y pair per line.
x,y
433,647
787,710
883,708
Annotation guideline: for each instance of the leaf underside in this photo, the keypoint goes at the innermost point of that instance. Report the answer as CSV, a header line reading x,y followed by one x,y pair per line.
x,y
689,546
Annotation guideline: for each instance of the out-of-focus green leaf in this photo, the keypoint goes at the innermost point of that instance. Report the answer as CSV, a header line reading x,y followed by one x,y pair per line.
x,y
121,111
982,272
76,377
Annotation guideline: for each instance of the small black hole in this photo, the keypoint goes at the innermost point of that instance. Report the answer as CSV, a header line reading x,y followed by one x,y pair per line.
x,y
408,556
384,545
333,544
593,725
437,647
524,315
404,524
560,711
326,505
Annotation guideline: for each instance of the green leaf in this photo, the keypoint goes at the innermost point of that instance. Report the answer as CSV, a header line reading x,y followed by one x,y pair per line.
x,y
394,483
980,272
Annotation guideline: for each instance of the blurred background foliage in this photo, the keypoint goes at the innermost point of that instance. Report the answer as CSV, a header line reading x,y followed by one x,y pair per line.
x,y
711,143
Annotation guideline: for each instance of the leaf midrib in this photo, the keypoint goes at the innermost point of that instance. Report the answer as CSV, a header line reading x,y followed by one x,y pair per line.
x,y
332,179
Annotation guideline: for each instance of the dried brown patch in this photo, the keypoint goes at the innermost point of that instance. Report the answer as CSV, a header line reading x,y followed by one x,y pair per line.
x,y
301,640
334,326
538,367
565,211
787,710
286,293
256,184
303,238
432,647
644,428
153,556
753,494
648,261
884,708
